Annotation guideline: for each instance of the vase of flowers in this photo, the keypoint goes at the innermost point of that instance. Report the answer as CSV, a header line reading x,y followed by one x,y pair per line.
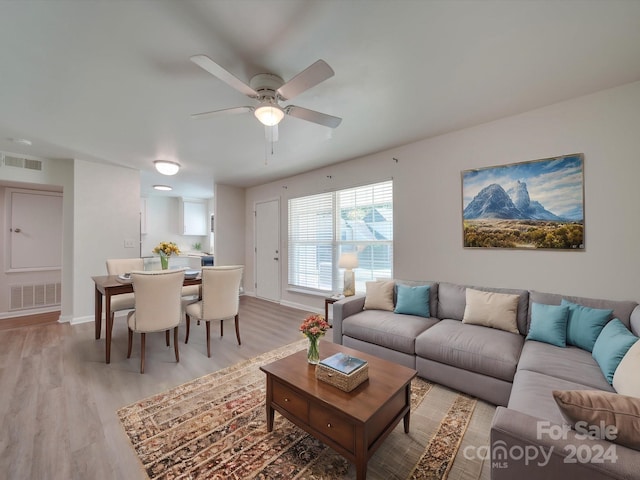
x,y
165,250
314,327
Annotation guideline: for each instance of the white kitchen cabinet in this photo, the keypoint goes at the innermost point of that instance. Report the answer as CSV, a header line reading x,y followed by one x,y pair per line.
x,y
193,217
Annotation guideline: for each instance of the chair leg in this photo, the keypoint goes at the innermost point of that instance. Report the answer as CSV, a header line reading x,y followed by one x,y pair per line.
x,y
113,316
222,328
175,342
208,335
188,320
238,330
142,345
130,343
166,335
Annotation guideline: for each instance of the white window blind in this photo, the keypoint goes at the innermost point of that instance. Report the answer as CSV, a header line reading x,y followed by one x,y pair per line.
x,y
323,226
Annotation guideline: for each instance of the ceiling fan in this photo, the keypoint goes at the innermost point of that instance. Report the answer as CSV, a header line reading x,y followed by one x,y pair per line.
x,y
269,90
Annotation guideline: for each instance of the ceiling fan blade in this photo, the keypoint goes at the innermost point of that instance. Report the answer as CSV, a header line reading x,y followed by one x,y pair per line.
x,y
227,111
313,116
309,77
271,133
216,70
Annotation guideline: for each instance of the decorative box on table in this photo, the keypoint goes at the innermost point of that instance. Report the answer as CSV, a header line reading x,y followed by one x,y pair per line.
x,y
342,371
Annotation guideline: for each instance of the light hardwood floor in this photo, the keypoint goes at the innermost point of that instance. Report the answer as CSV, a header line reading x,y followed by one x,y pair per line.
x,y
58,399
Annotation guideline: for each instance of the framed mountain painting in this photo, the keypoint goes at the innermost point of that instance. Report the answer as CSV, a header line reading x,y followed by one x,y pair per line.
x,y
537,204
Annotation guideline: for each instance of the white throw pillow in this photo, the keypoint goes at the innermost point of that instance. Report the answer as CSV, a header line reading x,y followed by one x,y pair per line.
x,y
626,380
379,295
491,309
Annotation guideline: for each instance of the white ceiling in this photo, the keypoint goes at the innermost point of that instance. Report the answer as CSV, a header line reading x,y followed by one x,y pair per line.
x,y
111,80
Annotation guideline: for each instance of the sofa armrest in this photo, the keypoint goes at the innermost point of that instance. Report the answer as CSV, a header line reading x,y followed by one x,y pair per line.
x,y
635,321
526,447
341,310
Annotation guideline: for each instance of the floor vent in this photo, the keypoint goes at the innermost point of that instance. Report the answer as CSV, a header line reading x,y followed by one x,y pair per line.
x,y
35,296
19,162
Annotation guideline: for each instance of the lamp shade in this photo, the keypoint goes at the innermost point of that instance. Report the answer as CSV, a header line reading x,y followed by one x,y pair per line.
x,y
269,115
167,167
348,261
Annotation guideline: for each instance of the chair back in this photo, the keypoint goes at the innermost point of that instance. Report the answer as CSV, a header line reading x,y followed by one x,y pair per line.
x,y
221,291
158,299
120,266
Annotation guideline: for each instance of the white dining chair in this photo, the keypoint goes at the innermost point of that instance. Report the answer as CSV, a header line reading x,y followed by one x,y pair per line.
x,y
120,266
158,307
220,299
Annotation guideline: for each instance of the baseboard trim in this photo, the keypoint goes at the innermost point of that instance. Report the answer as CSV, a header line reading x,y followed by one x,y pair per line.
x,y
301,306
46,318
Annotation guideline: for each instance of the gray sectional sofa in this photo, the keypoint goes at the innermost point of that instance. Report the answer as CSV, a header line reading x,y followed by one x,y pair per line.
x,y
503,368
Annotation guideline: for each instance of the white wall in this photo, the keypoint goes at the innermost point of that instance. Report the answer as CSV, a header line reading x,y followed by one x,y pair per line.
x,y
428,199
229,228
106,213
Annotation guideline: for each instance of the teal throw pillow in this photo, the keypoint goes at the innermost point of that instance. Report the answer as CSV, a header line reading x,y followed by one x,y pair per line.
x,y
549,324
612,344
585,324
413,300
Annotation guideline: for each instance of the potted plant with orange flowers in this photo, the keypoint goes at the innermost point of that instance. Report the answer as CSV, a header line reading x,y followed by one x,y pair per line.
x,y
166,249
314,327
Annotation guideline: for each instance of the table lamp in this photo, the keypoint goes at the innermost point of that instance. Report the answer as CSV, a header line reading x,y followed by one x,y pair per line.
x,y
348,261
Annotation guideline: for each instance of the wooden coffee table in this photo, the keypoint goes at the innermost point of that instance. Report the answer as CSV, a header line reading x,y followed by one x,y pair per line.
x,y
352,423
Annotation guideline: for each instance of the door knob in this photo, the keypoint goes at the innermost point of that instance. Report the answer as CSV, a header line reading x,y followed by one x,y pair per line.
x,y
17,230
275,258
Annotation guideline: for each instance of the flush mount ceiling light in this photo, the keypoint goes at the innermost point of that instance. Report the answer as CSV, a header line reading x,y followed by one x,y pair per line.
x,y
164,188
167,167
269,114
22,141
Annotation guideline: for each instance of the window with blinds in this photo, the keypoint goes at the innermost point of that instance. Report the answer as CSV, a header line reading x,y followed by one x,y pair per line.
x,y
324,226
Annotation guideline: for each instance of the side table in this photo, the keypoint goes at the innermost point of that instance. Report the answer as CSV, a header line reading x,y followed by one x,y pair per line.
x,y
327,302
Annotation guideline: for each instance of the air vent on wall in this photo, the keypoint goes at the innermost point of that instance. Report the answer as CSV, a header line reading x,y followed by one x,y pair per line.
x,y
22,163
34,296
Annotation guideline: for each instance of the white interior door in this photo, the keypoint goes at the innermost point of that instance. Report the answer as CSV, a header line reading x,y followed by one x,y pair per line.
x,y
268,250
35,230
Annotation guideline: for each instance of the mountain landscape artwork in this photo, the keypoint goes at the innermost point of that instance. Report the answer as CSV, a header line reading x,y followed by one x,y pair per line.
x,y
533,205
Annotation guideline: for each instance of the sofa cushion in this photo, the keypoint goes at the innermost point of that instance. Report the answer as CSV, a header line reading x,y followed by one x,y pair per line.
x,y
598,408
621,309
397,332
478,349
452,300
531,394
433,292
549,324
491,309
612,344
626,380
571,363
585,324
379,295
412,300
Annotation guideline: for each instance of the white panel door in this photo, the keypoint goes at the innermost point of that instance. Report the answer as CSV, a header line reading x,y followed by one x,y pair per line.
x,y
35,230
268,250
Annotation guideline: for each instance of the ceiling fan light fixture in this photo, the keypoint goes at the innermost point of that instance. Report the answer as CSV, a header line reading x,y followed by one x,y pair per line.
x,y
269,115
167,167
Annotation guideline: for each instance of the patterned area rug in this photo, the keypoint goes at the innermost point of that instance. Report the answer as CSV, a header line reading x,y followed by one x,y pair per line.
x,y
214,427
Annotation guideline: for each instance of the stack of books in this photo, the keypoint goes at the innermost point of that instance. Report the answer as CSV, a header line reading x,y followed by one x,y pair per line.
x,y
343,371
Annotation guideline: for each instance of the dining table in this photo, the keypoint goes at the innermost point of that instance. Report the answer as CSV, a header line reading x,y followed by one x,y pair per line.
x,y
107,286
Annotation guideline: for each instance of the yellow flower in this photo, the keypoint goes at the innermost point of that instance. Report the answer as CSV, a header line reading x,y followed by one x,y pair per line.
x,y
167,249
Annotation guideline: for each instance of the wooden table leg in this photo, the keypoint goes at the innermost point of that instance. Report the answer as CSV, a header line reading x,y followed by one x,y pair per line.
x,y
361,453
109,326
268,399
407,417
98,313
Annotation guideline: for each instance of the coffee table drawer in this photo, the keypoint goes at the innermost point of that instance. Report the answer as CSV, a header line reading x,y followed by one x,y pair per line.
x,y
333,425
292,402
